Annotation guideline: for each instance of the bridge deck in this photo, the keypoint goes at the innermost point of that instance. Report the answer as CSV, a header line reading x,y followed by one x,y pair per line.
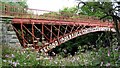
x,y
26,14
61,22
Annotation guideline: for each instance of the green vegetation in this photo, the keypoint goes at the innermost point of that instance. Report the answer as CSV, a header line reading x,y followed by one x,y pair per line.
x,y
104,56
94,49
14,7
105,11
21,3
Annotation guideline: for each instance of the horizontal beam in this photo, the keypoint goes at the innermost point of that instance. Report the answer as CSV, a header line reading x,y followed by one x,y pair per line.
x,y
61,22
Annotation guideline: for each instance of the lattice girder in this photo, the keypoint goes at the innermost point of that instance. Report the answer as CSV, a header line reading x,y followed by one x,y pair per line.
x,y
45,35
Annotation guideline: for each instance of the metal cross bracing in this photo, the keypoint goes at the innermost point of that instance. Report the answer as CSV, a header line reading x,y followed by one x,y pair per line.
x,y
46,32
45,35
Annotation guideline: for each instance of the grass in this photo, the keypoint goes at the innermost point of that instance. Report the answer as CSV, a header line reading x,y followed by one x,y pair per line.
x,y
20,57
0,55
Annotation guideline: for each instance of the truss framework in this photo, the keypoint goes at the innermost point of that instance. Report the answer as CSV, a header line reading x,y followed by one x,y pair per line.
x,y
45,35
46,32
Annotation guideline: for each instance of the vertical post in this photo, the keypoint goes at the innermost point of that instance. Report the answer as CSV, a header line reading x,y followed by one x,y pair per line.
x,y
33,33
42,33
23,42
65,30
59,31
72,29
51,34
7,9
58,34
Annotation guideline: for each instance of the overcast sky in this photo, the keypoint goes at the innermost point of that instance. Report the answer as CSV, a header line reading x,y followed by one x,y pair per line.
x,y
51,5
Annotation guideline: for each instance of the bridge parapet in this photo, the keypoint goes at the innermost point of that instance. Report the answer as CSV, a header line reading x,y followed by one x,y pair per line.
x,y
19,12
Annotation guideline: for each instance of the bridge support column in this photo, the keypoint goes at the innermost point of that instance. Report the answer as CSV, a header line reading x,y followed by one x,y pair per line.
x,y
22,34
43,34
51,34
33,33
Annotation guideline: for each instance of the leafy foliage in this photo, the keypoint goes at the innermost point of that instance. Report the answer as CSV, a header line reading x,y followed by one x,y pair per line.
x,y
19,57
22,3
95,49
68,12
104,10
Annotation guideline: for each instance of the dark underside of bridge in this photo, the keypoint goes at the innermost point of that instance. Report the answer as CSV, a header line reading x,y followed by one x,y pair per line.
x,y
87,42
41,33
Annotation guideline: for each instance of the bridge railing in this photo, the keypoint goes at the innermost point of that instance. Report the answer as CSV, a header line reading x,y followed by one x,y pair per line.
x,y
20,12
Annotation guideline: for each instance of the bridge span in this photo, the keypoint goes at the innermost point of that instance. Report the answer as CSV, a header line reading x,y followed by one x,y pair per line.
x,y
43,33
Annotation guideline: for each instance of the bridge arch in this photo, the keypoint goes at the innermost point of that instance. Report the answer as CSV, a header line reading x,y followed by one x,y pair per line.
x,y
74,34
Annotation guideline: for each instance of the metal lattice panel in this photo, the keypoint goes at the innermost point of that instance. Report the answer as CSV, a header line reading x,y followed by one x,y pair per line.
x,y
45,35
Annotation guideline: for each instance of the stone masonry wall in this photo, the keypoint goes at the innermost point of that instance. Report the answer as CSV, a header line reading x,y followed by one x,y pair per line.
x,y
8,35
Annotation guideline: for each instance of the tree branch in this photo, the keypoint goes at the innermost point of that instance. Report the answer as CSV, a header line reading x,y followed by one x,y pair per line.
x,y
81,3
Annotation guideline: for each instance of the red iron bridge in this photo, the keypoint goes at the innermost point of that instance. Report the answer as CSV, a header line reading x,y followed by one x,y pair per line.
x,y
44,32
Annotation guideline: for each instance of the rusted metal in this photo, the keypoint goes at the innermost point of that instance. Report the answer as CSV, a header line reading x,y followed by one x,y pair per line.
x,y
51,34
19,12
19,34
22,35
33,34
47,32
53,37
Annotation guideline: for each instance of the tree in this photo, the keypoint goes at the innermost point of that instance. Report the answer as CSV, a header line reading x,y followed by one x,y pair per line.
x,y
68,12
21,3
103,10
18,6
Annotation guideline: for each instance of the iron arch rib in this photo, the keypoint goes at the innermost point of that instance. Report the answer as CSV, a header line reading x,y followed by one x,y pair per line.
x,y
60,32
74,34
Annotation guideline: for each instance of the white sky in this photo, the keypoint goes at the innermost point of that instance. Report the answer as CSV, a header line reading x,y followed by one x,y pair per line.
x,y
51,5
